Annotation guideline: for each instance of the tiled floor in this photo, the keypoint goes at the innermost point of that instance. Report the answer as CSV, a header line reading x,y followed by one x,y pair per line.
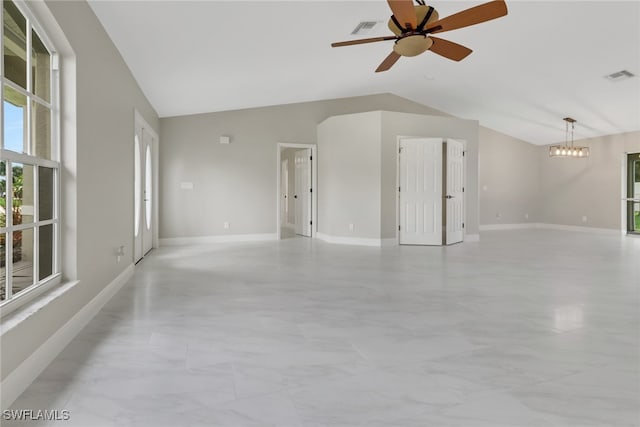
x,y
530,328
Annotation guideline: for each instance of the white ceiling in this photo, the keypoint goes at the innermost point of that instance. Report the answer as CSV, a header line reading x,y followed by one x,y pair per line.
x,y
544,61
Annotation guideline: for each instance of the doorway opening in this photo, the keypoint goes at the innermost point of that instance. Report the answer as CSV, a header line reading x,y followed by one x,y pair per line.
x,y
297,201
145,154
431,196
633,193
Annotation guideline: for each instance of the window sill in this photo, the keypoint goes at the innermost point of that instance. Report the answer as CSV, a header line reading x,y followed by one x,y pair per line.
x,y
14,312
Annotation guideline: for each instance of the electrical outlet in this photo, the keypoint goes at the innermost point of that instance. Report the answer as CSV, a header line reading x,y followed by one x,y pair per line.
x,y
526,216
584,218
351,227
226,225
498,215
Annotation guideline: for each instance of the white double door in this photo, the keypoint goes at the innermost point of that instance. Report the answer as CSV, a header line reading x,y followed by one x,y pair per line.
x,y
302,193
431,191
143,191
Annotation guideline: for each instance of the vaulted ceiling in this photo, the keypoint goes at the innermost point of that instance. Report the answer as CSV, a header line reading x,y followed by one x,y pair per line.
x,y
544,61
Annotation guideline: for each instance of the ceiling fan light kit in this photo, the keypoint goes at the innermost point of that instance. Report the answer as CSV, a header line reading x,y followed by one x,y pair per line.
x,y
569,149
412,26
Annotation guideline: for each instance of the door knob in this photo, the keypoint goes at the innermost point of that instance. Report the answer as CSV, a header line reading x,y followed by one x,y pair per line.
x,y
295,196
448,197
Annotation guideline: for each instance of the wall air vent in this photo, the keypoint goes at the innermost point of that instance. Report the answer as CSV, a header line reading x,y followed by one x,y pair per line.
x,y
620,75
364,27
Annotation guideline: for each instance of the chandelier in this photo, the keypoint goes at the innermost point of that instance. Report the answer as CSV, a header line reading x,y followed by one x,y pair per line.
x,y
568,149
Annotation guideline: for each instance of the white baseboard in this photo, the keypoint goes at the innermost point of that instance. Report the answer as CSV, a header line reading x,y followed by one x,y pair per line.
x,y
596,230
494,227
358,241
204,240
21,377
546,226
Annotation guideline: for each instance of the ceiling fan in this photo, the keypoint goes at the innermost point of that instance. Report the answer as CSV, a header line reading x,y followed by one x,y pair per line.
x,y
413,26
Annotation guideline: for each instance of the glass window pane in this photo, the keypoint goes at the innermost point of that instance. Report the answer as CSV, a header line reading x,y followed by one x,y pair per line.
x,y
45,193
22,194
15,44
3,269
3,194
40,68
45,251
41,130
22,267
15,118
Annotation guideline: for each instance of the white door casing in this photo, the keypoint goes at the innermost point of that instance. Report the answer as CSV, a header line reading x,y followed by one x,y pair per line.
x,y
454,205
137,190
302,194
148,196
284,191
420,186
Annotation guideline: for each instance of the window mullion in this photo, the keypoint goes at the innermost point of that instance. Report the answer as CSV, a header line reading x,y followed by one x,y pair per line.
x,y
36,219
9,236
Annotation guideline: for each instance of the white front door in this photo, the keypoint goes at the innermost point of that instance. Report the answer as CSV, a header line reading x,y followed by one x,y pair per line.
x,y
455,192
303,190
421,191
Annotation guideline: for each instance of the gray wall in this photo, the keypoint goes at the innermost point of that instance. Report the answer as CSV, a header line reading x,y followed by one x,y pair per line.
x,y
237,182
509,180
97,177
412,125
358,169
349,175
592,187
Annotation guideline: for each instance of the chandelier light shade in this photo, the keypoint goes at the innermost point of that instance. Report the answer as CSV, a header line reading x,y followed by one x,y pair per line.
x,y
568,149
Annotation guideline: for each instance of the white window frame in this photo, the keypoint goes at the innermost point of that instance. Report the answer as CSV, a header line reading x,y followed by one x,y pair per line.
x,y
12,302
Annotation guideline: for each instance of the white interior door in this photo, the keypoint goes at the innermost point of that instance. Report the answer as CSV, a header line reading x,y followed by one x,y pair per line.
x,y
302,194
455,192
421,191
137,191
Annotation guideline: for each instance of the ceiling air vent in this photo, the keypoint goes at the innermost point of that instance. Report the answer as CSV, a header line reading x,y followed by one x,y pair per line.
x,y
619,76
364,27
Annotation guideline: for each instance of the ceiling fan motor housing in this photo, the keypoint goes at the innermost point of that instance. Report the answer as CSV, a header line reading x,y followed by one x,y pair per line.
x,y
421,13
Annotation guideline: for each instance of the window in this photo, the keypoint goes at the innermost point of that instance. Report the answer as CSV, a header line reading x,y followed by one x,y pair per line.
x,y
29,159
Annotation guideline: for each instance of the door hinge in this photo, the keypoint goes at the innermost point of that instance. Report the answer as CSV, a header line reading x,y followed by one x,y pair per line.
x,y
310,222
463,225
398,228
464,153
310,157
400,150
311,190
398,189
463,189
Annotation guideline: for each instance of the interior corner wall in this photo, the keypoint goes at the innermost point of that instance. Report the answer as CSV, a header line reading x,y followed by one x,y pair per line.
x,y
509,179
349,176
236,183
575,188
416,125
100,181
